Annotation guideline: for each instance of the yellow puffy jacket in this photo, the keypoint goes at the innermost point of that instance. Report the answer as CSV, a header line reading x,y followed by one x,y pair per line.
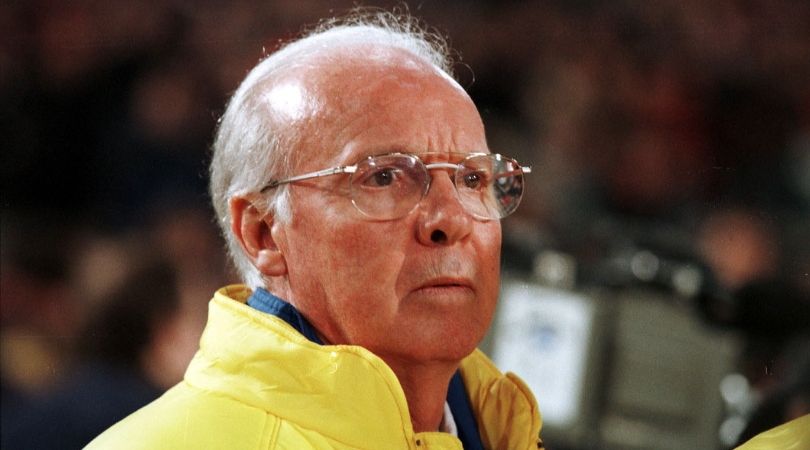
x,y
256,383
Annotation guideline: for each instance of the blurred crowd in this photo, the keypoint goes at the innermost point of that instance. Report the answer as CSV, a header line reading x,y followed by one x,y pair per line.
x,y
685,116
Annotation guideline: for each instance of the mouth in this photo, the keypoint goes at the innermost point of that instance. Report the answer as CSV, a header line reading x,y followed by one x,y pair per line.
x,y
444,285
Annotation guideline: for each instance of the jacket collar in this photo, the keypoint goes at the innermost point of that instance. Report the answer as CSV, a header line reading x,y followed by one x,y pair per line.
x,y
262,361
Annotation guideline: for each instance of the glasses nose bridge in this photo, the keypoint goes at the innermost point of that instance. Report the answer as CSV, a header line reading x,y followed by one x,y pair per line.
x,y
445,166
451,170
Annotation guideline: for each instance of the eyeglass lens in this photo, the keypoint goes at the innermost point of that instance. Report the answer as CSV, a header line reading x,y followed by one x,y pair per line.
x,y
389,186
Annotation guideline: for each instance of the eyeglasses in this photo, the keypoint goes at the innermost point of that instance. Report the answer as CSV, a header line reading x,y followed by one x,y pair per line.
x,y
386,187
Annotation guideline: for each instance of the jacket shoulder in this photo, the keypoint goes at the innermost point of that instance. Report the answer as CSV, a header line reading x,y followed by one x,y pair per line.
x,y
188,418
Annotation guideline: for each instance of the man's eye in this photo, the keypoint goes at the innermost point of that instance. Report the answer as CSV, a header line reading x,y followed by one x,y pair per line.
x,y
474,180
382,177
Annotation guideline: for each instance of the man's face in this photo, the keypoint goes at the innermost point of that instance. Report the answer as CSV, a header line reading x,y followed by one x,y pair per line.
x,y
419,288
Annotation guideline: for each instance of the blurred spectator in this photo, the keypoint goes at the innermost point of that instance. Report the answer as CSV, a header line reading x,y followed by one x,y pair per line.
x,y
740,246
135,344
154,153
38,308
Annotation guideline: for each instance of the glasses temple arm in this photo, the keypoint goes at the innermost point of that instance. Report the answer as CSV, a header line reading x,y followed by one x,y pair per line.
x,y
519,171
308,176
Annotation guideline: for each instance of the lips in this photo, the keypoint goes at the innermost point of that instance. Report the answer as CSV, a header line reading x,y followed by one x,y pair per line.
x,y
447,275
446,282
446,289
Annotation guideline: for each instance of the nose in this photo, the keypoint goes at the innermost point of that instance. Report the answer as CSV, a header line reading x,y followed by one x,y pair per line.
x,y
442,218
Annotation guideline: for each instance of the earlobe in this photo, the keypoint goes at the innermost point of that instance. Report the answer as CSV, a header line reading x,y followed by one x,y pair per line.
x,y
253,230
271,263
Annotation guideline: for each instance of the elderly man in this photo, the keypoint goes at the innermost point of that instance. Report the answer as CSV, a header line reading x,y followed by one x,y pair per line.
x,y
361,204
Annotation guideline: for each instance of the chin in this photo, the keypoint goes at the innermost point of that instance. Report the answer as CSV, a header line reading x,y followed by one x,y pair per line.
x,y
428,337
449,347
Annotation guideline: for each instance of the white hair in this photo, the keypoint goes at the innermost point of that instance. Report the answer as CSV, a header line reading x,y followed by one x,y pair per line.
x,y
249,149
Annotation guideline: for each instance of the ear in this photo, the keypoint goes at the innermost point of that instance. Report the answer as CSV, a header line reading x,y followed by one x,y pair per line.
x,y
252,228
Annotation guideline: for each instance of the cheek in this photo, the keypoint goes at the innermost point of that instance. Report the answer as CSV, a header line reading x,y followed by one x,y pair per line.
x,y
336,246
361,255
361,243
488,244
489,260
358,279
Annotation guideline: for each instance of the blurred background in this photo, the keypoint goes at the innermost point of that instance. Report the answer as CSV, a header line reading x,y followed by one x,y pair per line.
x,y
656,278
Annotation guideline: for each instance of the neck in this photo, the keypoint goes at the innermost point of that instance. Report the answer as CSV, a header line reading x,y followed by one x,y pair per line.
x,y
425,387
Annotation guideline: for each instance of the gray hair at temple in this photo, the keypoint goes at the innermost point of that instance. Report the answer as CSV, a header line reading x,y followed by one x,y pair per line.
x,y
249,149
